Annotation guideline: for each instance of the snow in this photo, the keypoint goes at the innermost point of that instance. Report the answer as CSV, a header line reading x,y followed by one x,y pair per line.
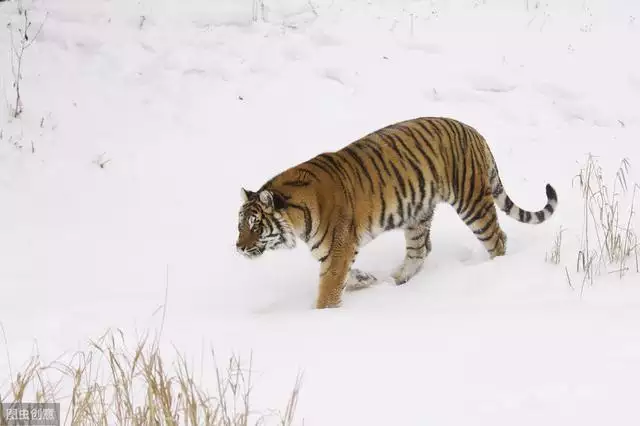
x,y
200,98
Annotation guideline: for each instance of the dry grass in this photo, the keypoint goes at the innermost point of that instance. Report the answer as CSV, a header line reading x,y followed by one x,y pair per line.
x,y
25,39
556,250
111,384
608,241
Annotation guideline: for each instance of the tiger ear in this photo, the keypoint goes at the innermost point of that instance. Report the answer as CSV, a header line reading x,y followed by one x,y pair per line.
x,y
272,200
245,194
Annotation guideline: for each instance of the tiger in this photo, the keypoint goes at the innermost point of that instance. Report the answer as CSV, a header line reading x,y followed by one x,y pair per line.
x,y
392,178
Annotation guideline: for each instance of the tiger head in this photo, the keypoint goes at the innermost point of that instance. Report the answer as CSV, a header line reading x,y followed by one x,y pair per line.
x,y
262,224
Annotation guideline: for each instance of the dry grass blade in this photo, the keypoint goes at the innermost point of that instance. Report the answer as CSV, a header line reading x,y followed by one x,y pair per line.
x,y
556,250
289,413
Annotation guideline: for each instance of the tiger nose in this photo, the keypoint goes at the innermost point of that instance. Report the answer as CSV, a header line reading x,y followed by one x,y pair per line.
x,y
241,246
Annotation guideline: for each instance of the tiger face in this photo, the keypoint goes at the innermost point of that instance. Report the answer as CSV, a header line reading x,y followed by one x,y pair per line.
x,y
262,225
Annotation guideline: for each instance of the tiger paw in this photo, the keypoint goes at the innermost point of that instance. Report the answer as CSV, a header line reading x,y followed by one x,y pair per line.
x,y
328,303
358,280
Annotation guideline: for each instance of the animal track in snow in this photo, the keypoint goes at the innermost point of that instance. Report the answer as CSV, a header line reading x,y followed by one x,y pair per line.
x,y
324,39
488,84
556,92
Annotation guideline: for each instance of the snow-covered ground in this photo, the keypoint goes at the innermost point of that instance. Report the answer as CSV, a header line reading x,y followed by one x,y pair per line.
x,y
120,186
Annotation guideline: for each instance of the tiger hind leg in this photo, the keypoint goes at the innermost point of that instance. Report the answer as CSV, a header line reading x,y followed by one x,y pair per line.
x,y
418,246
482,220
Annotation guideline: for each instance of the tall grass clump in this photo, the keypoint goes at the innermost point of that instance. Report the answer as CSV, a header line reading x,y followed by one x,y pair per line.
x,y
608,240
112,384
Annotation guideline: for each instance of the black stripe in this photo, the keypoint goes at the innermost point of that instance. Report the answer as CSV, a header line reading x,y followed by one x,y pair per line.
x,y
430,156
319,242
408,152
375,165
331,245
296,183
319,215
485,239
508,205
412,190
480,213
347,182
309,172
339,168
307,219
351,151
400,207
472,185
397,146
438,130
492,249
463,181
426,129
490,222
400,179
473,206
352,167
419,236
421,181
315,162
390,225
402,143
390,142
383,207
378,152
455,181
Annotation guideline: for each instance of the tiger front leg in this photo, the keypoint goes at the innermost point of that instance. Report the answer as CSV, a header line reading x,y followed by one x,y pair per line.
x,y
334,271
